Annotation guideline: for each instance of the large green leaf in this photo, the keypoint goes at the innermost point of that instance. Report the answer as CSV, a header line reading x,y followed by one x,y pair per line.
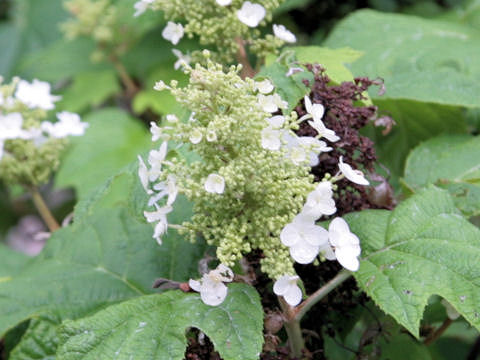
x,y
424,247
419,59
113,140
107,256
153,327
39,341
451,162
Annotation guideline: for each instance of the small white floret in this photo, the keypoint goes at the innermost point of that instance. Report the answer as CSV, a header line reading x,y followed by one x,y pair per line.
x,y
345,243
141,6
276,121
195,136
282,33
215,184
211,286
224,2
320,201
287,287
173,32
183,60
264,86
271,139
251,14
355,176
69,124
323,131
36,95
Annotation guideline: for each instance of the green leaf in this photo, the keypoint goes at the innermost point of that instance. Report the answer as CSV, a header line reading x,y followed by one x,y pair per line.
x,y
82,95
153,327
107,256
113,140
416,122
400,344
40,341
334,60
450,162
424,247
419,59
11,262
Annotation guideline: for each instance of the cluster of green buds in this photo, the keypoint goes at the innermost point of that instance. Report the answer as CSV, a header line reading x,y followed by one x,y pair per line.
x,y
108,22
30,145
251,176
226,25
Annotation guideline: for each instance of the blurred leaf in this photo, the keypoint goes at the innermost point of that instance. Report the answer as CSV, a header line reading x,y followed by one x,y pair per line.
x,y
425,247
113,140
451,162
60,60
400,344
11,262
82,95
153,327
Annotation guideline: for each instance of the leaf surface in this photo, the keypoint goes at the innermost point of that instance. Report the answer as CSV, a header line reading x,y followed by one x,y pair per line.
x,y
153,327
424,247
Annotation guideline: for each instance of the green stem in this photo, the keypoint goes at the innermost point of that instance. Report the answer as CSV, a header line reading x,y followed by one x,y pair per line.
x,y
44,211
318,295
294,331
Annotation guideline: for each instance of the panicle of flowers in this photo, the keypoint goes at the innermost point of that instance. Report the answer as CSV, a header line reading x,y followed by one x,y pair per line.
x,y
30,144
222,23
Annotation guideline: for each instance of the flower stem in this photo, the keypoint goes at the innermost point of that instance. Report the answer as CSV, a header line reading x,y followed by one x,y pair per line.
x,y
437,333
44,211
318,295
124,76
242,58
294,331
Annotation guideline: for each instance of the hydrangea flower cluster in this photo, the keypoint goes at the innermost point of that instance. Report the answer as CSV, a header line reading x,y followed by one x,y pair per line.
x,y
30,145
252,187
223,23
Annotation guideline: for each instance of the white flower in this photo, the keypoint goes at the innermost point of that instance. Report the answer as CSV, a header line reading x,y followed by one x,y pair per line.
x,y
304,238
345,243
159,216
168,188
314,111
155,159
211,286
195,136
224,2
293,70
211,135
251,14
264,87
287,287
215,184
36,95
271,139
11,127
141,6
276,121
296,152
143,175
156,131
69,124
355,176
320,201
282,33
173,32
172,118
323,131
159,86
271,103
315,147
183,60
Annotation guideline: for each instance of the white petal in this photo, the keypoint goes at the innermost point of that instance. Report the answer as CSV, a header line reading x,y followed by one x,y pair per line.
x,y
294,296
215,184
290,235
339,225
355,176
276,121
271,139
194,285
304,253
315,235
214,295
283,283
251,14
173,32
347,260
224,2
264,87
195,136
143,174
283,34
226,274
